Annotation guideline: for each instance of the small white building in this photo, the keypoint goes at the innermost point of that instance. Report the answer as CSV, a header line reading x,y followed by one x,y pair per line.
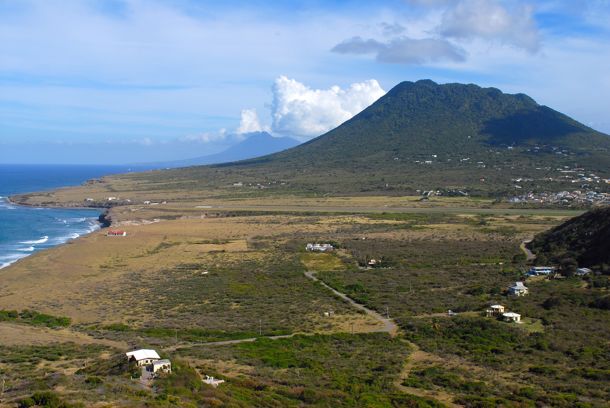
x,y
518,289
143,357
511,317
373,263
541,270
495,310
319,247
162,366
583,272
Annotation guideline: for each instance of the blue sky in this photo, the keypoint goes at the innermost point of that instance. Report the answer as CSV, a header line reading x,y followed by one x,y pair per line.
x,y
118,81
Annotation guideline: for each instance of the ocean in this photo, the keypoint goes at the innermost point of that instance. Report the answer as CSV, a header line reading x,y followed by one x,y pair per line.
x,y
26,230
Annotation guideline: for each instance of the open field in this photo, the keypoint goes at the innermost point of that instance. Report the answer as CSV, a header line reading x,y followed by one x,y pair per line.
x,y
185,276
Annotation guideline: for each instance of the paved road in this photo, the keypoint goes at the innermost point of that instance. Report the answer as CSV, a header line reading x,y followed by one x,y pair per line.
x,y
388,324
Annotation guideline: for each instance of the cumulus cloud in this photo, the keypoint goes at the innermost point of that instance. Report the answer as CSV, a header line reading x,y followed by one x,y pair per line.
x,y
249,122
303,112
403,50
490,20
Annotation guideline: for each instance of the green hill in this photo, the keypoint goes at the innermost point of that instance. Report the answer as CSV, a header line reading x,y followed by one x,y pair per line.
x,y
585,239
423,136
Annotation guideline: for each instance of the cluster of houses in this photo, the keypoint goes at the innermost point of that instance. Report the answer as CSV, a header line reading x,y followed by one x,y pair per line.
x,y
551,271
498,311
564,198
319,247
150,361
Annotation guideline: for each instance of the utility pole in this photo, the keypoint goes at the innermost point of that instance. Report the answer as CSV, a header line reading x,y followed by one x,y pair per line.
x,y
387,312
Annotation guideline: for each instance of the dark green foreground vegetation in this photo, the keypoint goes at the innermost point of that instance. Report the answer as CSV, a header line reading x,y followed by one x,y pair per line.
x,y
33,318
582,241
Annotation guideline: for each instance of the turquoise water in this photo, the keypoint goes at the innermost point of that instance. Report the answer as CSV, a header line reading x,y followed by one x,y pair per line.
x,y
25,230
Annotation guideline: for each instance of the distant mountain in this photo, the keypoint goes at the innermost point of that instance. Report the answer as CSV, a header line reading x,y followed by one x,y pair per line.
x,y
425,136
585,239
255,144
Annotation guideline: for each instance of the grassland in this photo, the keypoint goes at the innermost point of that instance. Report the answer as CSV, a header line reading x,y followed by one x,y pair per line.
x,y
187,276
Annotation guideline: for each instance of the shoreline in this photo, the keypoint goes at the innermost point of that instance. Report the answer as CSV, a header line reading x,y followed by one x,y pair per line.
x,y
103,220
58,206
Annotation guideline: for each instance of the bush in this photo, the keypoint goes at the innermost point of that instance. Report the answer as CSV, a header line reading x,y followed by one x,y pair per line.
x,y
601,303
46,399
551,302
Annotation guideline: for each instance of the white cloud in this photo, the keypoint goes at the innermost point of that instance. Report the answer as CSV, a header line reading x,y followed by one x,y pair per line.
x,y
249,122
303,112
205,137
490,20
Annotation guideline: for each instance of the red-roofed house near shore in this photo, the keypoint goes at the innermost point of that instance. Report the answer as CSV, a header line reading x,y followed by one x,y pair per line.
x,y
116,233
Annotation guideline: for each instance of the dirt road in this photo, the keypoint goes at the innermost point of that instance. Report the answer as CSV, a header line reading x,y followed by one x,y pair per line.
x,y
388,324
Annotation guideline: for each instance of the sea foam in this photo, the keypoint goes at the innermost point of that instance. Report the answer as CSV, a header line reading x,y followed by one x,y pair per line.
x,y
36,241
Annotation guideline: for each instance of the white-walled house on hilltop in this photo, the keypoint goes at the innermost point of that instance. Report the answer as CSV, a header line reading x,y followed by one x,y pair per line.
x,y
511,317
518,289
494,310
143,357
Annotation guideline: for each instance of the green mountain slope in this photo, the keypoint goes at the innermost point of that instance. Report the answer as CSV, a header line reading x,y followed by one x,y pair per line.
x,y
585,238
423,136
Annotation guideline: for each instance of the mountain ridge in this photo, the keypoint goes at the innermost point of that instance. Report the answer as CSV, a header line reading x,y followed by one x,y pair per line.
x,y
449,127
421,136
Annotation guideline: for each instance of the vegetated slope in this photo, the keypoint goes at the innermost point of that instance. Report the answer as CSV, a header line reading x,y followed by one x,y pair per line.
x,y
585,238
422,135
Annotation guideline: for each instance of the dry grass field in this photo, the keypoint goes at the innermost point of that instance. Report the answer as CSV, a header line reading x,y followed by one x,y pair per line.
x,y
187,274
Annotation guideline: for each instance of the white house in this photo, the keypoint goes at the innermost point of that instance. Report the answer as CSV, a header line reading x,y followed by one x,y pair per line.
x,y
518,289
583,271
511,317
541,270
495,310
162,366
373,263
319,247
143,357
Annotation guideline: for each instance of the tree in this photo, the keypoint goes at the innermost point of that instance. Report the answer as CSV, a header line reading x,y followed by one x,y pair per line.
x,y
568,266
